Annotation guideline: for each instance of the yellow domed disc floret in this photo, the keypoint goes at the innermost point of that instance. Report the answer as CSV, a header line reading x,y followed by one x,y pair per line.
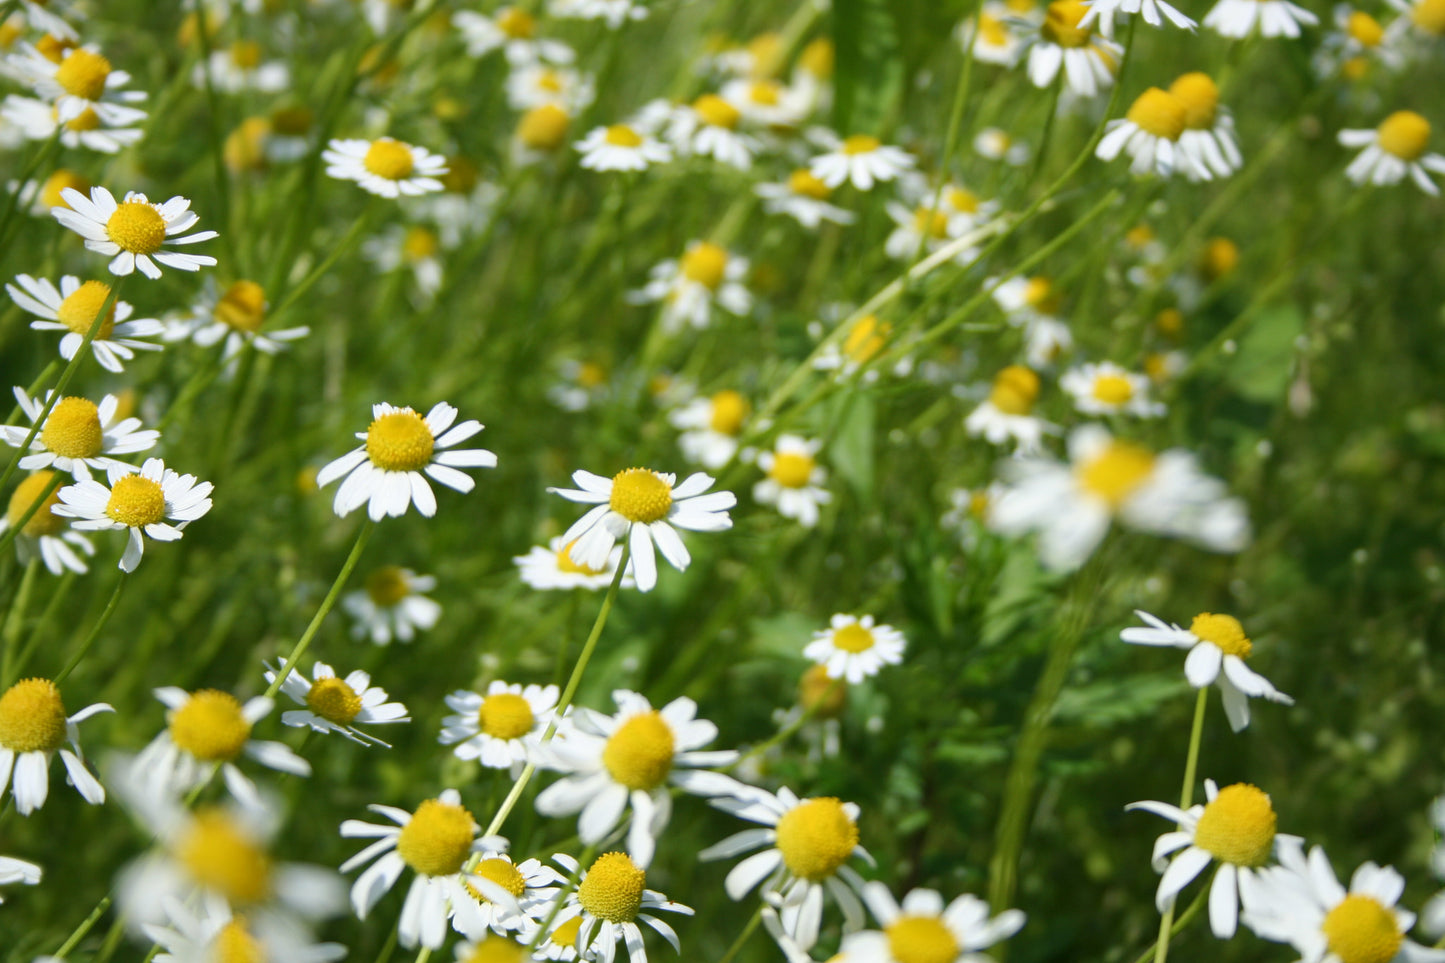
x,y
1015,389
389,159
705,264
505,715
1112,389
210,726
137,227
387,586
640,495
1116,472
44,521
219,855
79,310
242,307
83,74
1223,631
136,501
816,837
333,700
639,754
613,888
400,441
73,429
1404,134
1360,930
32,717
792,469
1238,826
921,939
438,838
1160,113
729,410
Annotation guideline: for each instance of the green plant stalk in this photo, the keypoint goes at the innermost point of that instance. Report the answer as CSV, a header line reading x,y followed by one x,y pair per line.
x,y
747,931
1186,797
17,615
37,631
85,927
13,532
94,631
1184,920
13,201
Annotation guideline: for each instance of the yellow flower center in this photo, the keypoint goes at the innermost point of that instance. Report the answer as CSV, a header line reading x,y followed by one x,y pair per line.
x,y
866,338
462,175
1170,323
1112,389
438,838
1041,295
1361,930
1355,68
1015,389
235,945
992,31
705,264
245,147
419,244
550,81
921,939
962,200
242,307
136,501
766,93
716,112
504,873
1429,16
565,562
1200,96
729,410
87,119
860,144
1238,826
44,521
137,227
613,888
1061,24
210,726
387,586
246,54
620,135
1223,631
1405,134
83,74
390,159
1116,472
930,222
1221,256
544,127
32,717
640,495
816,837
515,23
566,934
73,429
57,182
590,374
802,182
505,715
792,469
825,696
220,856
53,48
818,57
400,441
78,312
639,754
1364,29
498,949
853,638
1160,113
333,700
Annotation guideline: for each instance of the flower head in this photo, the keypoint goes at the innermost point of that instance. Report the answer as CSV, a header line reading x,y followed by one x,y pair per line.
x,y
854,649
610,900
923,930
794,479
502,727
73,308
145,501
33,728
392,605
1396,148
134,232
385,167
336,704
78,435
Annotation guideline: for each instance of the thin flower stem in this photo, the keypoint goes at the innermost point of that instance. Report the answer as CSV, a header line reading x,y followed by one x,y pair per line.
x,y
788,731
1184,920
389,946
16,616
94,630
11,533
37,631
1186,797
362,537
13,202
561,897
85,927
747,931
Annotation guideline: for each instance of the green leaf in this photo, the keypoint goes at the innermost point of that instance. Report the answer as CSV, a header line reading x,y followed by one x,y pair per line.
x,y
869,74
851,451
1260,369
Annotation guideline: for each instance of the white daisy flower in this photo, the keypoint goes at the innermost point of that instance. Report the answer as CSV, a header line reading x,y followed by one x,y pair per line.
x,y
1356,44
621,147
1045,341
861,160
415,249
689,286
392,605
82,80
804,198
1236,829
809,842
212,932
144,501
134,231
1071,505
767,103
241,67
73,308
1217,649
642,505
1154,13
1392,150
969,511
36,119
1087,59
855,649
1425,17
385,473
1006,415
610,899
334,704
512,29
47,533
1301,902
541,85
33,728
1025,299
633,758
14,870
78,435
385,167
206,729
614,13
1107,389
923,928
234,317
1274,18
501,728
435,842
864,342
992,35
794,479
1149,133
1207,145
993,143
531,883
552,567
711,427
708,128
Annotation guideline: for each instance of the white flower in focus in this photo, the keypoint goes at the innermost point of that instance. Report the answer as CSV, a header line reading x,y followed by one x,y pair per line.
x,y
73,308
794,479
334,704
532,883
1237,19
385,167
861,160
33,728
609,901
78,435
234,317
855,649
1149,133
134,231
621,147
144,501
1392,150
1087,59
502,728
1107,389
391,605
923,928
689,286
80,82
552,567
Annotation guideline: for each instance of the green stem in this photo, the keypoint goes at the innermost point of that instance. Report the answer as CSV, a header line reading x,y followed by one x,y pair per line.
x,y
17,615
341,247
389,946
13,201
1186,796
37,632
791,728
85,927
94,631
1184,920
747,931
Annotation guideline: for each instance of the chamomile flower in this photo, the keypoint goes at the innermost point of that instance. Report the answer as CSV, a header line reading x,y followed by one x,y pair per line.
x,y
766,102
43,15
995,144
1025,299
1045,341
538,85
633,758
1107,389
1392,150
145,501
385,167
235,317
1154,13
610,899
213,932
60,548
1006,415
334,704
435,842
501,728
512,29
1217,649
81,80
855,648
708,127
392,605
923,928
73,308
688,287
1423,17
1207,144
862,160
206,729
134,231
1273,18
1357,42
804,198
78,435
864,342
1088,59
711,427
1301,902
14,870
385,473
1235,828
621,147
1149,133
552,567
33,728
614,13
1072,505
241,67
794,479
992,35
37,121
642,505
531,883
969,510
809,843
